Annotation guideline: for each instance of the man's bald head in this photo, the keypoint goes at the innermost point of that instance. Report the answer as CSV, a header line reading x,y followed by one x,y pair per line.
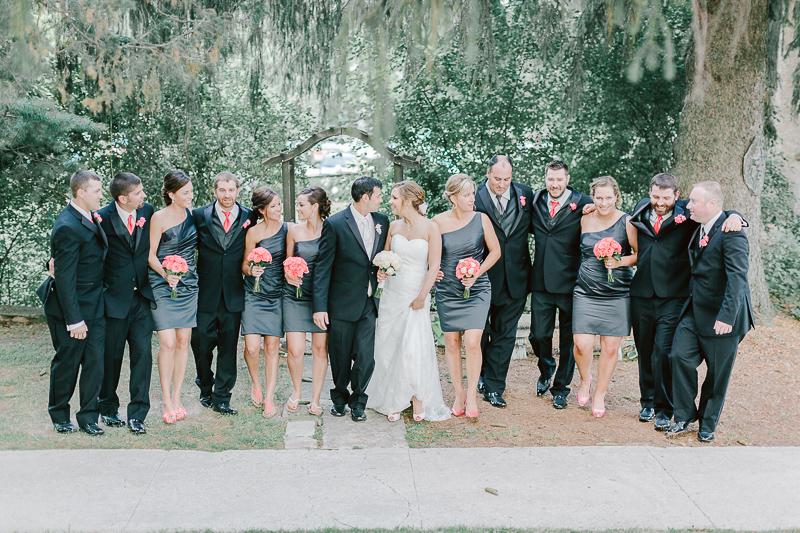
x,y
711,190
498,176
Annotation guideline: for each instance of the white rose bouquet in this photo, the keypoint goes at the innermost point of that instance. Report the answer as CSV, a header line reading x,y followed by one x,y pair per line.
x,y
389,263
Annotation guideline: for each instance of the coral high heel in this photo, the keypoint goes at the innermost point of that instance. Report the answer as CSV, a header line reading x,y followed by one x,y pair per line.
x,y
598,413
169,417
180,413
583,400
459,412
472,415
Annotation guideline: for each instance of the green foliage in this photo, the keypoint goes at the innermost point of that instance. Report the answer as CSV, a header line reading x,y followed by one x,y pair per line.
x,y
781,248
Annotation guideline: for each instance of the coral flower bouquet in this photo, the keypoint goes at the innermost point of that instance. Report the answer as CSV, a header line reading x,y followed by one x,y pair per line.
x,y
259,257
175,265
295,267
606,248
467,268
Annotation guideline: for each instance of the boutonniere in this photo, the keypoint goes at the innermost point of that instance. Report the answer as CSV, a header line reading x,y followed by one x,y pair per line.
x,y
522,201
573,206
704,242
140,222
246,223
679,219
378,229
97,217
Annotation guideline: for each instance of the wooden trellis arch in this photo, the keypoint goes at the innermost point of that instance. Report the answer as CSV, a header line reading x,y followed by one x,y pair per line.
x,y
286,159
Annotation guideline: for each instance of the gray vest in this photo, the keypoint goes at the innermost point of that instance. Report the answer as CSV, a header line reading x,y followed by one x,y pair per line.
x,y
509,215
219,231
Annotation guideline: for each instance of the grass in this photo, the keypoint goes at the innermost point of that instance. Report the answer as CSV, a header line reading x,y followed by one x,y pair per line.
x,y
25,355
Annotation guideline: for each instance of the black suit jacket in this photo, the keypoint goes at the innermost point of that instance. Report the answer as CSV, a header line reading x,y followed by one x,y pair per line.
x,y
514,265
344,268
719,289
78,248
662,265
557,250
219,270
126,266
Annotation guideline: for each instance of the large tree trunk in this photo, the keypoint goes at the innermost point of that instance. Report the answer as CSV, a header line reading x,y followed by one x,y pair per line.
x,y
721,134
787,124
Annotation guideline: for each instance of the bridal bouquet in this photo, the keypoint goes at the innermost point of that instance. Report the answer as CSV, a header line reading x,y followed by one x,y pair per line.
x,y
389,263
259,257
606,248
175,265
295,267
467,268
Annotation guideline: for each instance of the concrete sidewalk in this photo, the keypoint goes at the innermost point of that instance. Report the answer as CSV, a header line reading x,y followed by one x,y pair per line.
x,y
565,488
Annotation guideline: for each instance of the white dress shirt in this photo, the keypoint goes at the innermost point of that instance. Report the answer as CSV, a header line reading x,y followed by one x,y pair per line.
x,y
562,201
367,231
124,215
234,213
710,224
502,203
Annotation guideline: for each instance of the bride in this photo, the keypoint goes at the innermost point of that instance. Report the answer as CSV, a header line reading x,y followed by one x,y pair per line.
x,y
406,369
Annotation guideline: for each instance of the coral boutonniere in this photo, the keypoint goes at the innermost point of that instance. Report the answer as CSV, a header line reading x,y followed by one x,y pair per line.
x,y
679,219
522,201
704,242
246,223
378,229
140,222
97,217
573,206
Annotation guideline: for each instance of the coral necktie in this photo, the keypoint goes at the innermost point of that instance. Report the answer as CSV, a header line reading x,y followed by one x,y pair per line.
x,y
553,209
657,227
130,224
227,224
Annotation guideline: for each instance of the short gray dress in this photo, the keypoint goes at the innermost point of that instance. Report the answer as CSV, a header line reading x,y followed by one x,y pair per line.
x,y
600,307
180,312
457,313
298,314
263,310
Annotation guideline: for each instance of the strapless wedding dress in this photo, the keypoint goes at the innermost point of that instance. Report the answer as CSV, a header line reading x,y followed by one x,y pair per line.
x,y
405,354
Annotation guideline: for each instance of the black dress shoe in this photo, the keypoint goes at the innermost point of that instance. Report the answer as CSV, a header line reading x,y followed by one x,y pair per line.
x,y
338,410
113,421
481,385
224,408
136,427
92,429
560,401
495,399
661,423
358,415
64,427
705,436
677,428
205,401
647,414
542,386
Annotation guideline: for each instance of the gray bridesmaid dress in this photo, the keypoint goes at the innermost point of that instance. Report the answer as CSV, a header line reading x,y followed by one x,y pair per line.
x,y
263,310
457,313
180,312
600,307
298,314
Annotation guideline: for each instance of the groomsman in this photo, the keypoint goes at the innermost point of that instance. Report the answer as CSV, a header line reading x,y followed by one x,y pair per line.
x,y
659,290
556,228
127,296
508,205
345,281
221,228
73,303
715,318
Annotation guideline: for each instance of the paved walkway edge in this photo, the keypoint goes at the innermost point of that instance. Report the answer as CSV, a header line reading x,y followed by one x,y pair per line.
x,y
564,488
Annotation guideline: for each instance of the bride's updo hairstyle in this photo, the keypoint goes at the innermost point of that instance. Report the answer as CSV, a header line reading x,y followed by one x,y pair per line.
x,y
261,198
411,191
606,181
174,181
456,185
317,195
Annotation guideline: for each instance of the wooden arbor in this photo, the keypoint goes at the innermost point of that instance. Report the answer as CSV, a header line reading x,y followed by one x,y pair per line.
x,y
286,159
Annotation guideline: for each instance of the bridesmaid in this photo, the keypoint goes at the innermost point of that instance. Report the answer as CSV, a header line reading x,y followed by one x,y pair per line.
x,y
263,310
600,307
313,206
172,232
465,233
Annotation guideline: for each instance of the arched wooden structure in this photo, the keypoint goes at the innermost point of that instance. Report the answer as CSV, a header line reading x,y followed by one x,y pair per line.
x,y
287,160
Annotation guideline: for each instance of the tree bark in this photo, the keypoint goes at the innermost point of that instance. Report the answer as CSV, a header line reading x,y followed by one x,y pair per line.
x,y
721,133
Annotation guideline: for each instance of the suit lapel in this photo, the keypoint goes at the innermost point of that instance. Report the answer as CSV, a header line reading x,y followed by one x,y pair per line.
x,y
713,231
351,223
641,222
670,225
488,205
536,211
520,209
566,210
139,230
119,229
209,212
375,240
692,243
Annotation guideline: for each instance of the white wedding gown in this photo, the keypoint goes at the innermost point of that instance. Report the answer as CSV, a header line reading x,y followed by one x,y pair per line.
x,y
405,354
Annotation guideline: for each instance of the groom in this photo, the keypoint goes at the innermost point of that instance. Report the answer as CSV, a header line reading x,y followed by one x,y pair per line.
x,y
346,278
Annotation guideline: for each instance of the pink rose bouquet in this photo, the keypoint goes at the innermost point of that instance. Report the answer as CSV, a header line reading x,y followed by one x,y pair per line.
x,y
259,257
467,268
175,265
295,267
606,248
